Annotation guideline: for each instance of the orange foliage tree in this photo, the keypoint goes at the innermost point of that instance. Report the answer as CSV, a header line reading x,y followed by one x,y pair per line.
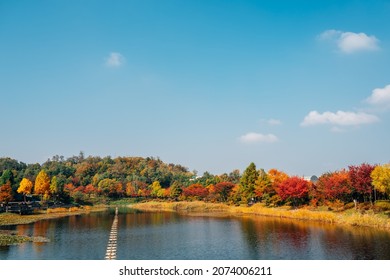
x,y
6,192
130,190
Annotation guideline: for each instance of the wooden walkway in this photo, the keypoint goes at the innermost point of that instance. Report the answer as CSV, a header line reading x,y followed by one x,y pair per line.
x,y
112,241
21,208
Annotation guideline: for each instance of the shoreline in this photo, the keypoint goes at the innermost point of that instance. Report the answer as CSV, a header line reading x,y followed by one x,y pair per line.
x,y
349,217
199,208
9,237
11,219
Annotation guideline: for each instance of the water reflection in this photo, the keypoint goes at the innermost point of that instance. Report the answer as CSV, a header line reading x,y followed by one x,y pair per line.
x,y
169,235
276,238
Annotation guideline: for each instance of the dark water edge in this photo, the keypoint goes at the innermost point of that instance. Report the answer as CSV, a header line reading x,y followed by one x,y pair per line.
x,y
172,236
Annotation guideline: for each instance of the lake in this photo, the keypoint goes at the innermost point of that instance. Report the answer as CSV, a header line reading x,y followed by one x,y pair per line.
x,y
172,236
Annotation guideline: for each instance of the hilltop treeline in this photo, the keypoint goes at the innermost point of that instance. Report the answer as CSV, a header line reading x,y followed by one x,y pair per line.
x,y
94,179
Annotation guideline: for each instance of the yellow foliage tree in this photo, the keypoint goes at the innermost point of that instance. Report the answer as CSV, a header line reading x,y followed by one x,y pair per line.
x,y
381,178
42,184
155,188
25,187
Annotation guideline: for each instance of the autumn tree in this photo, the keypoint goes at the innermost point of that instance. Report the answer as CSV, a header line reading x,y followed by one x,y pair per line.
x,y
361,181
155,189
42,184
6,192
294,188
54,187
90,190
175,190
130,190
381,178
110,187
223,190
248,182
143,192
335,185
276,177
78,194
195,191
263,186
25,187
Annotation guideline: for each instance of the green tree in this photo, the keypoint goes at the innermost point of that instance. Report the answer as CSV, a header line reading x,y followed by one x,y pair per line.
x,y
32,170
7,176
110,187
263,186
248,182
175,190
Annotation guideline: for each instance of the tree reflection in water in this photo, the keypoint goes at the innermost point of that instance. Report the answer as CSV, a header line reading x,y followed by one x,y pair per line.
x,y
170,235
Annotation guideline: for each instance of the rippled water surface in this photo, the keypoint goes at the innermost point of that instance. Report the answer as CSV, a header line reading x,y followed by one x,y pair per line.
x,y
167,235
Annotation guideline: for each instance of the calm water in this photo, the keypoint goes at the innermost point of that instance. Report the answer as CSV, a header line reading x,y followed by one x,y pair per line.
x,y
146,235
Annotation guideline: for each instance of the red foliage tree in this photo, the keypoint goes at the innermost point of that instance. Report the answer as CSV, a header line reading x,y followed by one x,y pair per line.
x,y
276,177
79,189
294,188
223,189
361,181
335,185
69,188
196,191
90,190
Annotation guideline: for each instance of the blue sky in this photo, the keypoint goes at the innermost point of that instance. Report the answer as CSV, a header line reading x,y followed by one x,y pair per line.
x,y
301,86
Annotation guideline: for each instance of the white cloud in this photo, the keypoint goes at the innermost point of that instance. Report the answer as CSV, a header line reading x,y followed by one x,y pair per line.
x,y
115,59
339,118
274,122
380,96
253,137
350,42
330,34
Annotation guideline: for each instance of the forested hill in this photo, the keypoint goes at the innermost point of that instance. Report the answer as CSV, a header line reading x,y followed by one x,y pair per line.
x,y
83,171
94,179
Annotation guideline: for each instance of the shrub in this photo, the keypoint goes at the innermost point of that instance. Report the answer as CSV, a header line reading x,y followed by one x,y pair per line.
x,y
383,205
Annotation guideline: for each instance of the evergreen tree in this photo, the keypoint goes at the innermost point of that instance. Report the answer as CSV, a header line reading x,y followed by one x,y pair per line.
x,y
248,182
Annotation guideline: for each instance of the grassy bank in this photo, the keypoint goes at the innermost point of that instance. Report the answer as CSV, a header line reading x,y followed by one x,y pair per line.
x,y
16,219
10,237
350,217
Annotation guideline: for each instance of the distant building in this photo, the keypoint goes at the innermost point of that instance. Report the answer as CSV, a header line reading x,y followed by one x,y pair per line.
x,y
312,178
